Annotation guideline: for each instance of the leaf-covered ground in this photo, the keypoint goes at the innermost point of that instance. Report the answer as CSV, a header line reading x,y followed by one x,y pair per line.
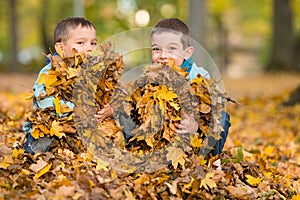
x,y
261,159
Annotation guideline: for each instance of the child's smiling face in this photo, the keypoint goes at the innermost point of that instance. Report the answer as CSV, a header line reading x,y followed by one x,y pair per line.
x,y
83,39
168,45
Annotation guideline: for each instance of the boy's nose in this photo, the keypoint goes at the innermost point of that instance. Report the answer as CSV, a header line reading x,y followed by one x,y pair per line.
x,y
89,48
164,54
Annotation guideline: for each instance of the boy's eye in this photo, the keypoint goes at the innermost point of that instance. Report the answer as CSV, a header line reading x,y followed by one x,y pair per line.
x,y
155,49
94,43
80,42
172,48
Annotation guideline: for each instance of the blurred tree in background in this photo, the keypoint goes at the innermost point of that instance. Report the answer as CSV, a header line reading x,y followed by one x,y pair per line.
x,y
283,52
223,27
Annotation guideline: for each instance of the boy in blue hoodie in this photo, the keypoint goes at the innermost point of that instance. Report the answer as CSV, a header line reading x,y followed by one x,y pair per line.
x,y
170,39
70,33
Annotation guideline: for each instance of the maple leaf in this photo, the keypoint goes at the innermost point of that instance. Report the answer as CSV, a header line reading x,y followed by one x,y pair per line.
x,y
176,155
56,129
195,141
208,182
163,93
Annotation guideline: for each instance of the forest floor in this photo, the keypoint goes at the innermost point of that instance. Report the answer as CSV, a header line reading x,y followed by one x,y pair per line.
x,y
268,133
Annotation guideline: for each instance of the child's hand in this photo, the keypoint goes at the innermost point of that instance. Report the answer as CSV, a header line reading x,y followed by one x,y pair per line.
x,y
188,125
106,111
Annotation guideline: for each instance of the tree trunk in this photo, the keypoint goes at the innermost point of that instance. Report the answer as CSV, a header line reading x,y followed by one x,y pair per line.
x,y
46,39
298,53
282,53
294,98
197,20
13,62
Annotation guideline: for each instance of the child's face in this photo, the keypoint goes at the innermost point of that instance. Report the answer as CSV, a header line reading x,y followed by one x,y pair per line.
x,y
83,39
168,45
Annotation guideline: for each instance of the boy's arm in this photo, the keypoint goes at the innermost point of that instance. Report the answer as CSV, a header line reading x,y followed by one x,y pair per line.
x,y
187,125
104,113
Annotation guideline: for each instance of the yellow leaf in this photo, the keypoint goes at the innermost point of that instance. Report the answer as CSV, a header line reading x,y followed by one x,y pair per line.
x,y
252,180
72,72
78,58
57,106
17,152
196,142
56,129
176,155
296,197
25,172
208,182
42,79
7,161
268,174
92,184
269,150
43,129
109,85
51,80
186,187
113,174
43,171
101,164
128,194
202,160
165,94
149,141
60,52
174,105
35,132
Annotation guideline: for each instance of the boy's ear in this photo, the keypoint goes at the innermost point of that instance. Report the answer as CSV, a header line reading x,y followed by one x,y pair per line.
x,y
189,52
59,48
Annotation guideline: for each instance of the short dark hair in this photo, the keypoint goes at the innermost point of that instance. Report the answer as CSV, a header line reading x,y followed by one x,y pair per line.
x,y
61,31
173,25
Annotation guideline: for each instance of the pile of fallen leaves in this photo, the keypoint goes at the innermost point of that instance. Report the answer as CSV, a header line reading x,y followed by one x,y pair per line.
x,y
159,99
268,170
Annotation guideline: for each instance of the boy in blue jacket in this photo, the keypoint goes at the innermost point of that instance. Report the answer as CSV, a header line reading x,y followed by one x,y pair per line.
x,y
170,39
70,33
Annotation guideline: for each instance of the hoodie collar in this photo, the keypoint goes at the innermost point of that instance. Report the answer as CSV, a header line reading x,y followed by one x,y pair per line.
x,y
187,64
